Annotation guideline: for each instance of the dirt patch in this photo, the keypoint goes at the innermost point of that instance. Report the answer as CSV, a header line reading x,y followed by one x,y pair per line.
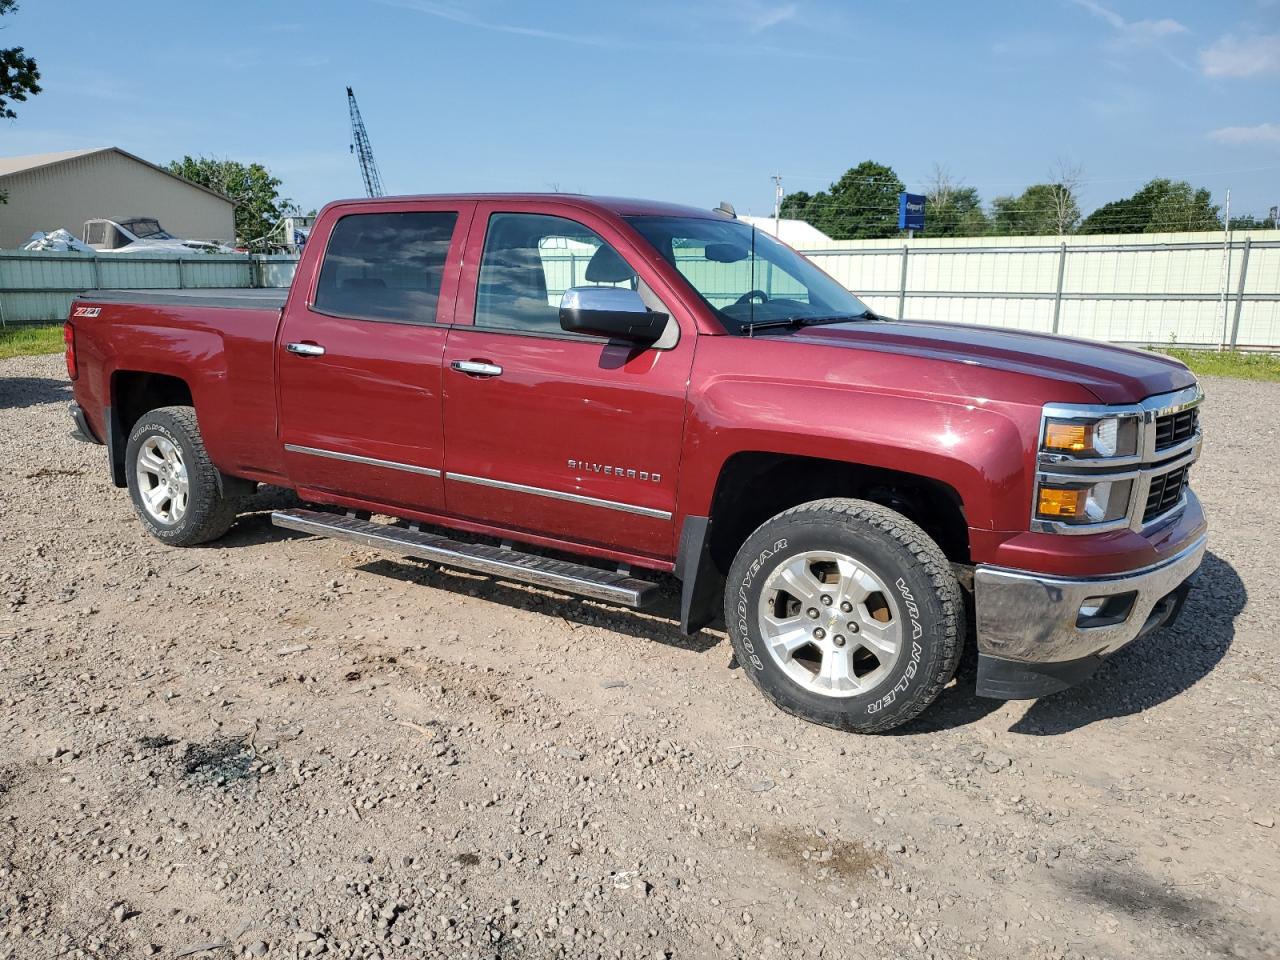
x,y
156,742
219,762
826,856
44,472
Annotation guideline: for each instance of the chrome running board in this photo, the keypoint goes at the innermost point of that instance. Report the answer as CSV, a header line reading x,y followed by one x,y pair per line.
x,y
608,585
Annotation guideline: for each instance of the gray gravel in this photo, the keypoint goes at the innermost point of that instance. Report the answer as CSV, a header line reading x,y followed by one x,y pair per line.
x,y
284,747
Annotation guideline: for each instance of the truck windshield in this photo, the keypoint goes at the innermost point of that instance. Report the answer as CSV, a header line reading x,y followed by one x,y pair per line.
x,y
749,278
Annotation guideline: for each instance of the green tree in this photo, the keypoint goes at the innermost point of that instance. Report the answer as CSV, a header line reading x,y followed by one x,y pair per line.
x,y
1040,210
1250,222
1161,206
259,205
19,77
795,206
862,203
952,210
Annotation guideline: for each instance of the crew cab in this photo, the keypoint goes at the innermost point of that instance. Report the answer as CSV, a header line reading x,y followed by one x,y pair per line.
x,y
586,394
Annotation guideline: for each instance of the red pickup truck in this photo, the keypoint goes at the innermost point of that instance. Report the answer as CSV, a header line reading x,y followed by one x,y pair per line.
x,y
580,393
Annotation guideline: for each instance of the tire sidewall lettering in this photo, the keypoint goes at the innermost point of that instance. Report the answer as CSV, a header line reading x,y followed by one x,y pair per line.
x,y
165,531
913,664
742,604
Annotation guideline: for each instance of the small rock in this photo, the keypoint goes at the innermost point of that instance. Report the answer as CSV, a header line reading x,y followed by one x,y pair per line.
x,y
995,762
943,820
1267,822
761,786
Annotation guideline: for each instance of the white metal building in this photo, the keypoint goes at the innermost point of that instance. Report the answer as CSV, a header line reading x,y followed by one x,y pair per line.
x,y
794,233
48,191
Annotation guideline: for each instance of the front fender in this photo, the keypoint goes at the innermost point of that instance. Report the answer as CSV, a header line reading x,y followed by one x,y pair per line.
x,y
978,449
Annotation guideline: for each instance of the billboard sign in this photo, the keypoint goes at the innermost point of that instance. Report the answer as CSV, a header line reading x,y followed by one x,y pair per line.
x,y
910,211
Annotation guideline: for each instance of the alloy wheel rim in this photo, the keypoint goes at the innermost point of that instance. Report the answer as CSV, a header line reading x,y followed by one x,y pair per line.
x,y
163,484
830,623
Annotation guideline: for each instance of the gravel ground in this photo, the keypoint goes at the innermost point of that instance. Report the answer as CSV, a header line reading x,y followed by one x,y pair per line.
x,y
287,747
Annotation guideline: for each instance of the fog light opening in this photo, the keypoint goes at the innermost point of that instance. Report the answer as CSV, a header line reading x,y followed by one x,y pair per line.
x,y
1106,611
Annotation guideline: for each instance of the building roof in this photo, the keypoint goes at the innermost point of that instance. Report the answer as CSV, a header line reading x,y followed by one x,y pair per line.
x,y
9,166
795,233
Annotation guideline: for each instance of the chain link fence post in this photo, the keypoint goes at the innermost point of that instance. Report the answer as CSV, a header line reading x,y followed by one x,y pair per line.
x,y
1057,297
902,285
1244,270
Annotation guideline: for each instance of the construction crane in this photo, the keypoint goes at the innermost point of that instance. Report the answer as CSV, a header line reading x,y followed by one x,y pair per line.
x,y
360,147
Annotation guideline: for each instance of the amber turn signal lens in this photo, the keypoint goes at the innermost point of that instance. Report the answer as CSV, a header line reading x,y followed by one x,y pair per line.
x,y
1067,436
1061,503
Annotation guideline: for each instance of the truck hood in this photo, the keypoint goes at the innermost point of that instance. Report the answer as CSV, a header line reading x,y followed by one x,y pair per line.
x,y
1112,374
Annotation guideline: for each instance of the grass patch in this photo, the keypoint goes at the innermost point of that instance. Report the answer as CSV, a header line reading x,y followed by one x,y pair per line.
x,y
30,341
1229,363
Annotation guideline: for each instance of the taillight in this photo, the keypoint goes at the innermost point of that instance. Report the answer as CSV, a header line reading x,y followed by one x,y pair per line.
x,y
69,338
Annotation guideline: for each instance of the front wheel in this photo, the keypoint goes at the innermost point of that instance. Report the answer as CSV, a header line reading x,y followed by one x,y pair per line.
x,y
845,613
174,487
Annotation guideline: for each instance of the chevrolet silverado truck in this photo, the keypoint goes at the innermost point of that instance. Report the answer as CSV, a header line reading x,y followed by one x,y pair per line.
x,y
584,394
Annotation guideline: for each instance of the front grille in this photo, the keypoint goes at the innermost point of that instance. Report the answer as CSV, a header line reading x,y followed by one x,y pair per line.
x,y
1173,428
1166,491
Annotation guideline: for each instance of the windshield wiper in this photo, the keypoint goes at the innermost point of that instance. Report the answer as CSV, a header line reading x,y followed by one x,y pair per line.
x,y
802,321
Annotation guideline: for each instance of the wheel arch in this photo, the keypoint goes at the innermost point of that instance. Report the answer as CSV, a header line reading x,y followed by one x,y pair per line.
x,y
753,486
133,393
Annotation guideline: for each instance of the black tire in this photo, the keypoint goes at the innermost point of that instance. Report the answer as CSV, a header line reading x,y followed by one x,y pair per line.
x,y
208,514
905,559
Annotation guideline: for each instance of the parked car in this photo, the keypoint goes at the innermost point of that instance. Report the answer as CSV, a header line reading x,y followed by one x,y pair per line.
x,y
582,393
143,235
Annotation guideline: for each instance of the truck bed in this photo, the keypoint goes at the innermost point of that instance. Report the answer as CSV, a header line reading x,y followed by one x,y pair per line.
x,y
257,298
216,344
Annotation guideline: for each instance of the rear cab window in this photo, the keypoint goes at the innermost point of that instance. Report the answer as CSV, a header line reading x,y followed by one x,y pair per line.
x,y
386,266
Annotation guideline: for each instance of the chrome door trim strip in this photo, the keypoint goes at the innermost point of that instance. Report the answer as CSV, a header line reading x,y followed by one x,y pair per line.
x,y
368,461
560,495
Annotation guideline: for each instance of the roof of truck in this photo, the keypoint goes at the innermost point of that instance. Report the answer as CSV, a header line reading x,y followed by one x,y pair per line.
x,y
622,206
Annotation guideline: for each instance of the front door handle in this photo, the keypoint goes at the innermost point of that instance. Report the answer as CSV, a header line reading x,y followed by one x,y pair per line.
x,y
305,349
477,368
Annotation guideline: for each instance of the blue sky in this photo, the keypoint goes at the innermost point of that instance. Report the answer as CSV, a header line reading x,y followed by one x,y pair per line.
x,y
688,100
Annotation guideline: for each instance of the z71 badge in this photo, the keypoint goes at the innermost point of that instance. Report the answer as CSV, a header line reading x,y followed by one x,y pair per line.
x,y
86,311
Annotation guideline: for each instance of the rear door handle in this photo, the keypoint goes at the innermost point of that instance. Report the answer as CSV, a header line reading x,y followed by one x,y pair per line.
x,y
305,349
477,368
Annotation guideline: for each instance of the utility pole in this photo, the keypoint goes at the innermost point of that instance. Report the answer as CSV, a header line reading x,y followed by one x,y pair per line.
x,y
777,204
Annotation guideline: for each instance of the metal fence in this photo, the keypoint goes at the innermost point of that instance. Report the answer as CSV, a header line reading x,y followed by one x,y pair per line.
x,y
1199,290
38,286
1189,290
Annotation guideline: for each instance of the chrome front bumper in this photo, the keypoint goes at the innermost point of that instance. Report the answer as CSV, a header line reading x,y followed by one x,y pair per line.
x,y
1038,634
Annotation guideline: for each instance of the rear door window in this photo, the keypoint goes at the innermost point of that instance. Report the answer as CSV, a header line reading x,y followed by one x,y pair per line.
x,y
386,266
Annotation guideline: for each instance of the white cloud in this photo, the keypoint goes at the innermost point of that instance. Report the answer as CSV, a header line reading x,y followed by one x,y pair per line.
x,y
1232,56
1134,31
1262,133
459,14
763,16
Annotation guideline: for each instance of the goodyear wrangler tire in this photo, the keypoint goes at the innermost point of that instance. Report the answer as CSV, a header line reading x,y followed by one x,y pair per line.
x,y
845,613
174,486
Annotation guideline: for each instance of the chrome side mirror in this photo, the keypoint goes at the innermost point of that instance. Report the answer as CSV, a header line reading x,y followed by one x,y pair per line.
x,y
615,312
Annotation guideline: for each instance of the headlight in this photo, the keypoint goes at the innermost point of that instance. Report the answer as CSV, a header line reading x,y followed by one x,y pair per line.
x,y
1083,502
1104,437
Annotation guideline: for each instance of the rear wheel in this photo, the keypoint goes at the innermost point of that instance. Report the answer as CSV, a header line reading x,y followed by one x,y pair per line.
x,y
845,613
174,487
